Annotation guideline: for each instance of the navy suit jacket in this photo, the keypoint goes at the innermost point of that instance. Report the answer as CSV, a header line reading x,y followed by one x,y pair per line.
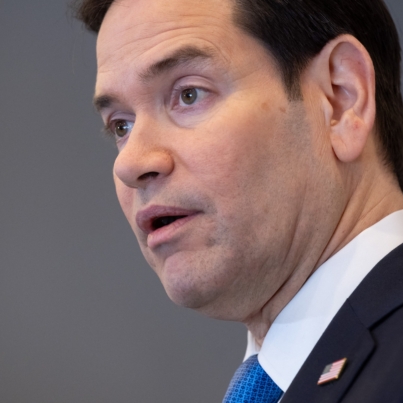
x,y
368,331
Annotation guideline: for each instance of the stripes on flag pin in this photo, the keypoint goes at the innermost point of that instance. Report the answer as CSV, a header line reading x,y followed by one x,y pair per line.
x,y
332,371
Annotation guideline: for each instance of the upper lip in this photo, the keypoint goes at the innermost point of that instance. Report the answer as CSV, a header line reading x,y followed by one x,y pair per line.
x,y
145,218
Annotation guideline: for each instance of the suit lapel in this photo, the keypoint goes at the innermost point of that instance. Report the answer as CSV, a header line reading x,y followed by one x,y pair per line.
x,y
349,333
345,337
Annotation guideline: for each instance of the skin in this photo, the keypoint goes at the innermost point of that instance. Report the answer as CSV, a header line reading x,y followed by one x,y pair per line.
x,y
278,186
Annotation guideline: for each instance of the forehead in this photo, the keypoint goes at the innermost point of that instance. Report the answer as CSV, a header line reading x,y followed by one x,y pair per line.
x,y
139,31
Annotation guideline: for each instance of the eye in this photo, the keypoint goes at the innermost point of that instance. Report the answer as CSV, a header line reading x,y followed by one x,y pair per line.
x,y
121,127
189,96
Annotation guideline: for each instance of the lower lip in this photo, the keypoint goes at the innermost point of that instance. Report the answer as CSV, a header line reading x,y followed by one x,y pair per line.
x,y
165,234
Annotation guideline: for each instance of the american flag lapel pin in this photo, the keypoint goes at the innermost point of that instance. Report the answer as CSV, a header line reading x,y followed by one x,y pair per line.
x,y
332,371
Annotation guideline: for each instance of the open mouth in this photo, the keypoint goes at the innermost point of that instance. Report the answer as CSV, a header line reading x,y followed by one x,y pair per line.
x,y
155,217
164,221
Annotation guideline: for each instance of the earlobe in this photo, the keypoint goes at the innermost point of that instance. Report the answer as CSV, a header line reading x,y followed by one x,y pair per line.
x,y
349,86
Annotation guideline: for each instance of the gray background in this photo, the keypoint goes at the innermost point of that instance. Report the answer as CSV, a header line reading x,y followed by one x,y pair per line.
x,y
82,317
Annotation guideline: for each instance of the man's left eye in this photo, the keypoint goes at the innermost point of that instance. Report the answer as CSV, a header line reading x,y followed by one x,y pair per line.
x,y
189,96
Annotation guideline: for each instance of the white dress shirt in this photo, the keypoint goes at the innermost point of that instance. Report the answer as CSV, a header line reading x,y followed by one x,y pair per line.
x,y
302,322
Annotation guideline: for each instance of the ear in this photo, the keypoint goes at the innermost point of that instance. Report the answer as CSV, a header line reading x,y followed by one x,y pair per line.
x,y
346,75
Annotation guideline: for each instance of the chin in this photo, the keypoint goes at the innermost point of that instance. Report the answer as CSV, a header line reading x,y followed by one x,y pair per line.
x,y
194,282
210,302
186,293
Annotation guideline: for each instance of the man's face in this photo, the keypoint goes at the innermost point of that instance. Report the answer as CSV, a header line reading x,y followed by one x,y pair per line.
x,y
216,169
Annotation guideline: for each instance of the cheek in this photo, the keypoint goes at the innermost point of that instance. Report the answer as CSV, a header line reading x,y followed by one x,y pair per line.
x,y
234,156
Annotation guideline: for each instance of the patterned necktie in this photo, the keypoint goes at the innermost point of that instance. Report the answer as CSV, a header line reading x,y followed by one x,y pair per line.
x,y
250,384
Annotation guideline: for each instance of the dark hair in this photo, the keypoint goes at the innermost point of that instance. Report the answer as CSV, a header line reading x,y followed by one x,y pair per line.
x,y
91,12
295,31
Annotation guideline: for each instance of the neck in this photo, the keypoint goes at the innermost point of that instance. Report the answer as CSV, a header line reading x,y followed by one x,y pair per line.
x,y
368,204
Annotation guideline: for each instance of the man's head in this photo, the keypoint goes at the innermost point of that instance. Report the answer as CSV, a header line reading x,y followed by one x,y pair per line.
x,y
247,127
296,31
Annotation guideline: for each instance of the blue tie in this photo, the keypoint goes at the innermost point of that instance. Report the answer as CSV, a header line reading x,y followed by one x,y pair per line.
x,y
250,384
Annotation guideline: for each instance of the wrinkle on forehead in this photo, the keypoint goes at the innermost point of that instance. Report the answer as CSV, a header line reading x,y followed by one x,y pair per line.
x,y
133,26
133,38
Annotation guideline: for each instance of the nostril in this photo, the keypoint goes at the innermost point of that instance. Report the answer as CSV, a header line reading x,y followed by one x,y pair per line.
x,y
137,167
148,175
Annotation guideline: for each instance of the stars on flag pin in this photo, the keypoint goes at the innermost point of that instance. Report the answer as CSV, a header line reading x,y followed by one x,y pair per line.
x,y
332,371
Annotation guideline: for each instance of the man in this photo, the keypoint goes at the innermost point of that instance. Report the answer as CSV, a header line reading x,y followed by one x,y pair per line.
x,y
260,155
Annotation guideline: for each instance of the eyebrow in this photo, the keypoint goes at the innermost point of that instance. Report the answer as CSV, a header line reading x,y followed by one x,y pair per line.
x,y
103,102
181,56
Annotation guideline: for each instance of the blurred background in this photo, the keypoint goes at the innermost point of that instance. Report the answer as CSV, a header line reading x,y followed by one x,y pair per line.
x,y
82,317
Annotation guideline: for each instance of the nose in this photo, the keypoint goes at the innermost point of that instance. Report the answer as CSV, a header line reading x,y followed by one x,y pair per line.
x,y
142,161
